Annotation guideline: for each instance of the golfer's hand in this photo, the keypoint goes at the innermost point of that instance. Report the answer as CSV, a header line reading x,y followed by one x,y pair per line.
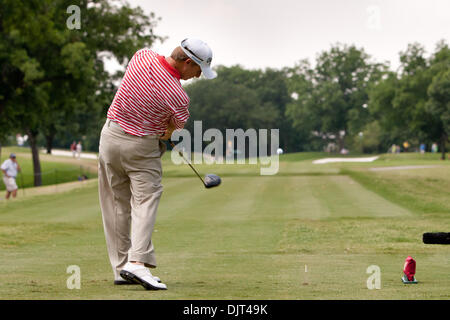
x,y
170,129
166,135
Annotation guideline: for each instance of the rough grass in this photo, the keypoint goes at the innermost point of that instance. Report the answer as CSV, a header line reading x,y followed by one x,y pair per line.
x,y
423,190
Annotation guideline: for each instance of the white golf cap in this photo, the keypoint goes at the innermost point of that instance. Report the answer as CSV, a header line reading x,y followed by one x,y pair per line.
x,y
200,53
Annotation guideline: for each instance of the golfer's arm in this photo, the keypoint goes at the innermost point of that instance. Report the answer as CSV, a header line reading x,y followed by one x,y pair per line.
x,y
171,127
4,172
176,121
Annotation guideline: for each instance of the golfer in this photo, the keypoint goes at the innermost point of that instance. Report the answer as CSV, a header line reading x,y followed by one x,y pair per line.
x,y
10,167
148,106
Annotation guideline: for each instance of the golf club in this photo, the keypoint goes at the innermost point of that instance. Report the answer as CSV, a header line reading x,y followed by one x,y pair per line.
x,y
211,180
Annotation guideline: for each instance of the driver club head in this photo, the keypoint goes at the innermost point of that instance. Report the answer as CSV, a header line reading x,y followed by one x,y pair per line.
x,y
212,180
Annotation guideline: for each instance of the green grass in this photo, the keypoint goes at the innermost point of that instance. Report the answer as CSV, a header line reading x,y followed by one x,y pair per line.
x,y
424,192
250,238
53,172
301,156
411,156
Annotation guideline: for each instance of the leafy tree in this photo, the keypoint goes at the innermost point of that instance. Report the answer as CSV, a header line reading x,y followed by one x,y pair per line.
x,y
332,97
369,139
411,93
300,80
53,78
439,106
389,118
240,98
413,105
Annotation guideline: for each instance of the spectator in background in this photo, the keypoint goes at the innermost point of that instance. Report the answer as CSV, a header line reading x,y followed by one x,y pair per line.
x,y
393,148
79,148
434,148
10,167
405,146
73,148
422,148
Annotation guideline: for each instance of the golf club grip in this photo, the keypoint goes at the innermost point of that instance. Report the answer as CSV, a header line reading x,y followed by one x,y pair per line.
x,y
181,155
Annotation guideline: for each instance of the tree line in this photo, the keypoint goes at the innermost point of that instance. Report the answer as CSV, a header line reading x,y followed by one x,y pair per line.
x,y
54,86
345,100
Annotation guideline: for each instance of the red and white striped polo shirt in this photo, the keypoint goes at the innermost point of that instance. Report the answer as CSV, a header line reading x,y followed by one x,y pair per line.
x,y
149,95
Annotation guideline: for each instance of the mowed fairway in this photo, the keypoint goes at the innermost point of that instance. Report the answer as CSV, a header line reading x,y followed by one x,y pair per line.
x,y
251,238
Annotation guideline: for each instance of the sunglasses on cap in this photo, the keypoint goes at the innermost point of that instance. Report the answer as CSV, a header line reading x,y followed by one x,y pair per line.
x,y
183,44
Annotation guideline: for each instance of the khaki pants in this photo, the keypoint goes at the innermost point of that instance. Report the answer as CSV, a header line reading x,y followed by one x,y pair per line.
x,y
129,182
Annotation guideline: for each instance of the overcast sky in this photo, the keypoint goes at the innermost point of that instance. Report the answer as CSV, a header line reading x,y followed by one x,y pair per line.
x,y
278,33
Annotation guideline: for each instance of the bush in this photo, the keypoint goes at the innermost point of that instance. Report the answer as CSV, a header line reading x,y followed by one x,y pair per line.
x,y
369,140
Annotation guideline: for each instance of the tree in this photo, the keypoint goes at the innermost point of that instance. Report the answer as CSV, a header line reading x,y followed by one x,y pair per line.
x,y
411,93
439,106
239,98
53,78
389,118
332,97
413,104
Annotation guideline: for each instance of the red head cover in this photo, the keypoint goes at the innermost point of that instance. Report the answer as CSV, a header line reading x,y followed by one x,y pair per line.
x,y
410,268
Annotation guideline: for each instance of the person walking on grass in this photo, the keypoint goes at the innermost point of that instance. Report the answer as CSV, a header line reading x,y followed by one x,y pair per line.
x,y
10,167
73,148
79,148
148,106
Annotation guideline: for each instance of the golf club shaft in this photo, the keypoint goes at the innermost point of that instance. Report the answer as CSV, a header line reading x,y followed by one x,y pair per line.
x,y
181,155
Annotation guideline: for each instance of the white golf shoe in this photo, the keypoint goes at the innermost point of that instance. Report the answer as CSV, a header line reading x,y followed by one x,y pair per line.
x,y
121,281
142,275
